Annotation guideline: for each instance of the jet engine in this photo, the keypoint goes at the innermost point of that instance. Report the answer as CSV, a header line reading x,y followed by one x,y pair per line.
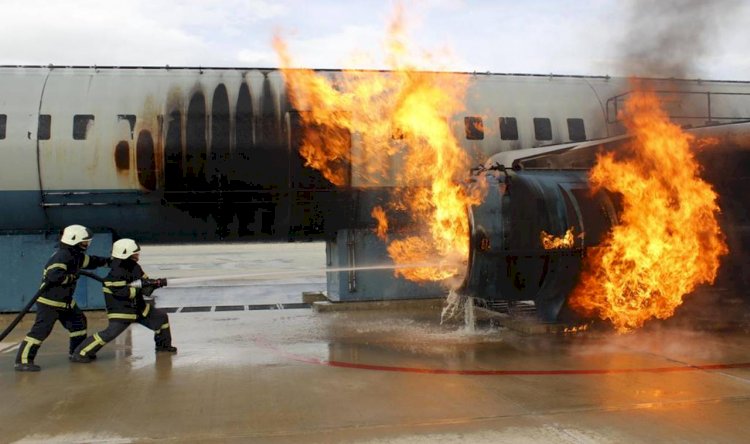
x,y
537,191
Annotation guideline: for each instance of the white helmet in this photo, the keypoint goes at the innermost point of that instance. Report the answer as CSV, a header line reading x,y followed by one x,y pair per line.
x,y
124,248
75,234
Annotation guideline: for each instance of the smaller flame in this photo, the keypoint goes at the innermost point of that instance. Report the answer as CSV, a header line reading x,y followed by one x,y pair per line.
x,y
576,329
378,213
551,242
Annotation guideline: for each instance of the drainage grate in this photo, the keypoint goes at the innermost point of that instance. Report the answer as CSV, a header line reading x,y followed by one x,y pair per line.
x,y
297,305
229,308
263,307
279,306
194,309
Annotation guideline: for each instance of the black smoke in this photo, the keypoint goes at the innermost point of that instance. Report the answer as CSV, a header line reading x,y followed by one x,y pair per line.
x,y
670,38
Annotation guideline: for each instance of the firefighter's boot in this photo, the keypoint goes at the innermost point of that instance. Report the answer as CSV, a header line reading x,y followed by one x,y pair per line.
x,y
80,359
166,349
29,367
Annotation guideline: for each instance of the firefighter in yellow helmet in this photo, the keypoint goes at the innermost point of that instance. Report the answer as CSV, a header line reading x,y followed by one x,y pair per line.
x,y
55,301
127,303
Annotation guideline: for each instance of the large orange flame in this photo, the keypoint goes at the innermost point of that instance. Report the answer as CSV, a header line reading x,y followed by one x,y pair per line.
x,y
669,240
401,138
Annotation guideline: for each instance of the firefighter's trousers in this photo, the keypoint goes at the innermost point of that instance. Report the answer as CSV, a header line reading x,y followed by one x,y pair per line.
x,y
71,317
156,320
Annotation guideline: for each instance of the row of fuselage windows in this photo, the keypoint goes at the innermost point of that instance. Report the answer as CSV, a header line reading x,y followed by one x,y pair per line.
x,y
82,125
474,127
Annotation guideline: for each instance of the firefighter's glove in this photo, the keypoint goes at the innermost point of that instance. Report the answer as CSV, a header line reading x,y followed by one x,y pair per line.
x,y
147,290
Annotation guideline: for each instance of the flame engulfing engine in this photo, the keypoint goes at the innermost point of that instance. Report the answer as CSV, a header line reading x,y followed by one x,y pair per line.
x,y
530,194
526,195
508,259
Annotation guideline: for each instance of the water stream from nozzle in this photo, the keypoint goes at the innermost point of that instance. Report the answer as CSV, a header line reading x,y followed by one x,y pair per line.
x,y
185,281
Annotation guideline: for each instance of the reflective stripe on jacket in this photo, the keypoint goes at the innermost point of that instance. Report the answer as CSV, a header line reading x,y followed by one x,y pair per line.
x,y
60,274
123,301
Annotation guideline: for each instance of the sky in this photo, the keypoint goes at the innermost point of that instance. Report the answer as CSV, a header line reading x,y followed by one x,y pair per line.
x,y
584,37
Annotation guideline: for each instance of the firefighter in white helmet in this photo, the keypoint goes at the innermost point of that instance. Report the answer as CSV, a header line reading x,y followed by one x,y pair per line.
x,y
127,303
55,301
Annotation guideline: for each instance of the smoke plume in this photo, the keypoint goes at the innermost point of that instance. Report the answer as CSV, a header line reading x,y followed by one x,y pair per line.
x,y
668,38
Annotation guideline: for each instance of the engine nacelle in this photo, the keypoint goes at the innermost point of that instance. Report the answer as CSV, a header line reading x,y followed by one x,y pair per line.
x,y
507,259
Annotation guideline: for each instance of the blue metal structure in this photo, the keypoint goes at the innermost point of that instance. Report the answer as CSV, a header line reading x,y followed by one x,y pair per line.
x,y
361,248
25,256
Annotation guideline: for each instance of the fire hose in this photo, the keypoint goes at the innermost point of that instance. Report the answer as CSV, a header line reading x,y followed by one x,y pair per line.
x,y
21,314
141,283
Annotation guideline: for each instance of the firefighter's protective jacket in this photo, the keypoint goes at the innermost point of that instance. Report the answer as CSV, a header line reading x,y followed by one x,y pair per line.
x,y
123,301
61,274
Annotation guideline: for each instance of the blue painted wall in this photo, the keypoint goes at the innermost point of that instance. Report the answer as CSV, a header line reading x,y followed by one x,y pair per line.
x,y
22,260
370,285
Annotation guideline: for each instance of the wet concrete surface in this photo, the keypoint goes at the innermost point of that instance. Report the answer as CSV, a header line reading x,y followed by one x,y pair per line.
x,y
372,376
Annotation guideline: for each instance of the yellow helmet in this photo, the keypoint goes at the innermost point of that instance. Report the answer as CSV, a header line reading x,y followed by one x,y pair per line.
x,y
124,248
75,234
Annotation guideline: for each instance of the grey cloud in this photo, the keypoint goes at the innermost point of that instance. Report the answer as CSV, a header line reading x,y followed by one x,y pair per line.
x,y
669,38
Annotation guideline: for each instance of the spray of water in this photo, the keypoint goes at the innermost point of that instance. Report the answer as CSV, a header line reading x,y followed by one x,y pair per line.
x,y
457,304
452,306
470,319
188,281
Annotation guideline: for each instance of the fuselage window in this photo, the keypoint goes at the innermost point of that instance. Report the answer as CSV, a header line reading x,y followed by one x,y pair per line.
x,y
45,127
508,128
82,124
3,124
130,118
576,130
474,127
542,128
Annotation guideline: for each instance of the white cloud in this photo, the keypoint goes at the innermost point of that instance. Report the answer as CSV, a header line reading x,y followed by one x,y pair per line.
x,y
351,46
78,33
255,58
